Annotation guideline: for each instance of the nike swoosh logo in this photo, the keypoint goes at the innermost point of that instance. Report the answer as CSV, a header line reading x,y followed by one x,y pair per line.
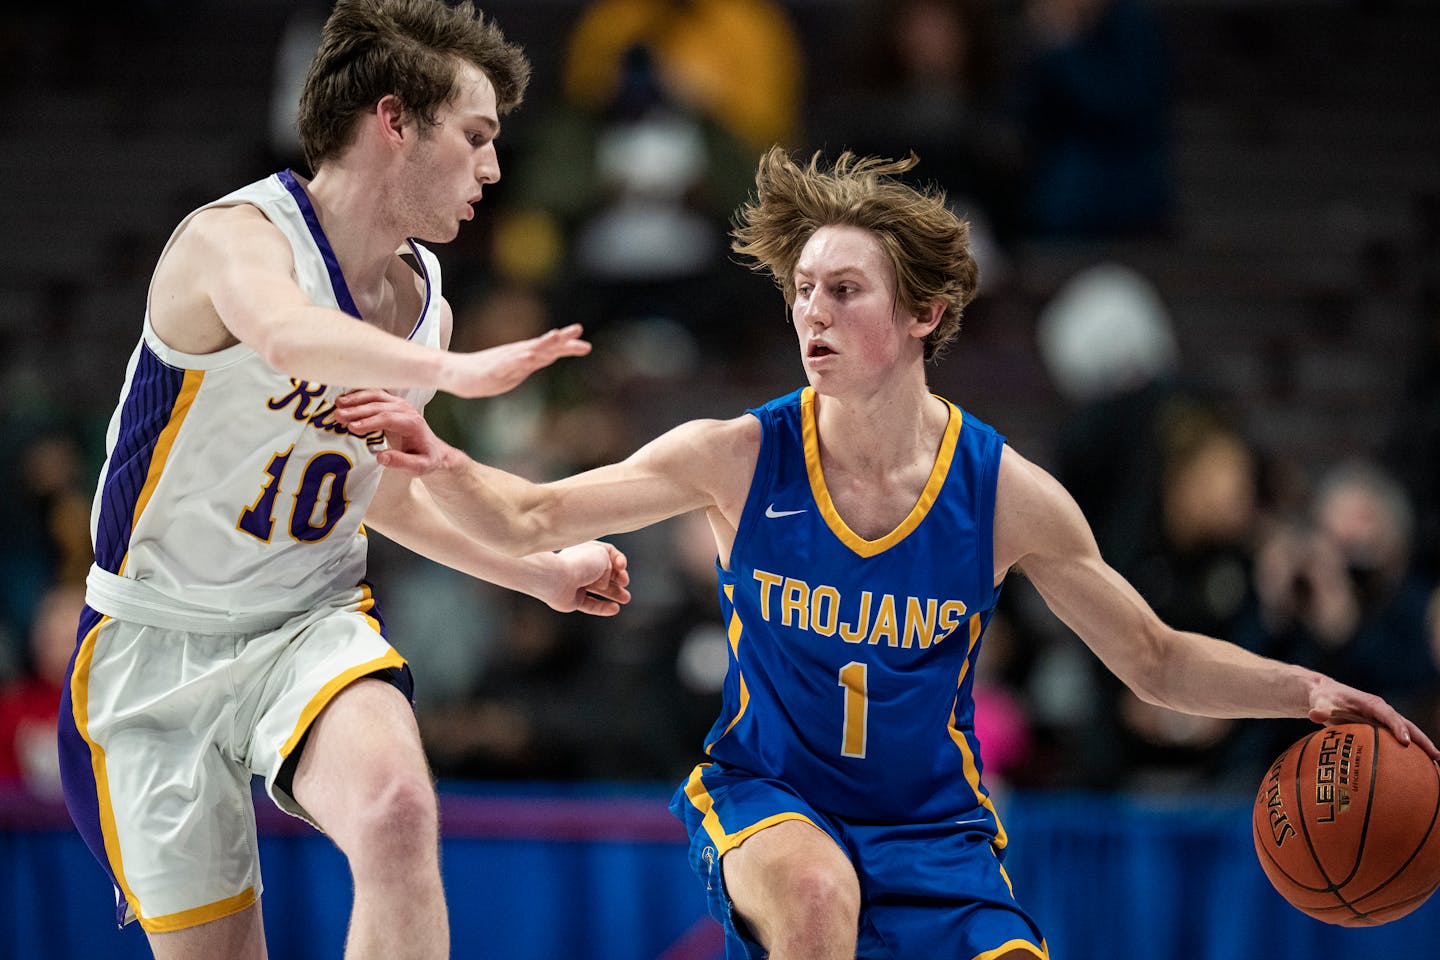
x,y
772,513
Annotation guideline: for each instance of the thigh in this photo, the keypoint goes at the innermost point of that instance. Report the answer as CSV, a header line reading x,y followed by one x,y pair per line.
x,y
240,936
364,741
771,876
727,811
937,890
150,777
299,673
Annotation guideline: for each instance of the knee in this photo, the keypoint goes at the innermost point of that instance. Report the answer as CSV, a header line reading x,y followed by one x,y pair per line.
x,y
817,898
396,822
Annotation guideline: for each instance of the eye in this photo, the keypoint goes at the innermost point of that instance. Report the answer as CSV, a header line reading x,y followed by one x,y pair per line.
x,y
478,140
803,290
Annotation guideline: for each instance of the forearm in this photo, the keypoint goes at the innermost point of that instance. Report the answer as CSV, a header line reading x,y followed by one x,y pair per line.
x,y
1197,674
491,506
518,517
326,346
423,528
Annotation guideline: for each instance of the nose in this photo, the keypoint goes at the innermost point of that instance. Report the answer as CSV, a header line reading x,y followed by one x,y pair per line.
x,y
814,312
487,170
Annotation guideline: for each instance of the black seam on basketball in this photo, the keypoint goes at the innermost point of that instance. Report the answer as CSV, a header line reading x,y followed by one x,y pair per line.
x,y
1299,815
1332,887
1434,815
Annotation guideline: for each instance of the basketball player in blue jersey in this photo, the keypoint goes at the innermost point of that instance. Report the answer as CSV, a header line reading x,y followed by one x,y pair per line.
x,y
863,527
229,631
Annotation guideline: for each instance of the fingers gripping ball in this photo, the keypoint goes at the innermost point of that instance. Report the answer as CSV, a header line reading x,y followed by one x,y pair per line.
x,y
1347,825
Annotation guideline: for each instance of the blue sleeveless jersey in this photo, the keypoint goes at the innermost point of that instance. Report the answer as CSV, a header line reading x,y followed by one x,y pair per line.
x,y
851,660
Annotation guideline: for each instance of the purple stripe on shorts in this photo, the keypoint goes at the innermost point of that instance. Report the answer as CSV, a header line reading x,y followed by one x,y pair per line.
x,y
77,772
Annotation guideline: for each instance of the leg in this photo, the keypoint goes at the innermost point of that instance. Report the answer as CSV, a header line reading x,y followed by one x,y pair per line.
x,y
240,936
797,890
363,777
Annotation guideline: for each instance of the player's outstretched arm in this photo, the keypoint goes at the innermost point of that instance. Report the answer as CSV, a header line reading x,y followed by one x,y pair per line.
x,y
703,464
1040,530
590,578
230,276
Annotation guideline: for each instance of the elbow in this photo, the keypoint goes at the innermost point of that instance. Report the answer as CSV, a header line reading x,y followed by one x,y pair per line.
x,y
1150,673
278,350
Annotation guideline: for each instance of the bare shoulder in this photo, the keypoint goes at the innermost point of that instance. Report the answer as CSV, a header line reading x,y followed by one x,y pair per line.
x,y
225,275
225,229
709,445
1034,514
713,459
224,245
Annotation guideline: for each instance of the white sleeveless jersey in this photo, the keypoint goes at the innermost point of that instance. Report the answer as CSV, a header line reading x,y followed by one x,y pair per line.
x,y
230,497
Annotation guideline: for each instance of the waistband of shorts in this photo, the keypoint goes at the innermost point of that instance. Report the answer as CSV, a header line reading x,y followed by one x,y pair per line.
x,y
137,602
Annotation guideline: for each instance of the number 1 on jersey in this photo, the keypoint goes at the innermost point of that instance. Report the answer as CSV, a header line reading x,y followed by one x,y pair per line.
x,y
853,677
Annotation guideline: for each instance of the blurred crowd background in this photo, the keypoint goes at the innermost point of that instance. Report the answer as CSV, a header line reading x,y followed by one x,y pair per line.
x,y
1209,233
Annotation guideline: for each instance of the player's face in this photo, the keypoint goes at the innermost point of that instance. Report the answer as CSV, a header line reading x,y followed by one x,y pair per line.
x,y
454,159
846,314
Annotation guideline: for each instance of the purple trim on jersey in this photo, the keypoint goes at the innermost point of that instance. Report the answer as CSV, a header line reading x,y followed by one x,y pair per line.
x,y
322,243
424,275
77,771
144,413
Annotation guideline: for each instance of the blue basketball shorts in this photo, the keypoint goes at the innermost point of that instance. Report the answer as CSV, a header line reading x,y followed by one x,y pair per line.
x,y
926,889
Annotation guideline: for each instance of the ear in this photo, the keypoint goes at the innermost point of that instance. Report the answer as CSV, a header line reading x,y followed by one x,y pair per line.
x,y
928,319
391,119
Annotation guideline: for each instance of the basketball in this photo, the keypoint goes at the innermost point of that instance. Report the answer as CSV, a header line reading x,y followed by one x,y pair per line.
x,y
1347,825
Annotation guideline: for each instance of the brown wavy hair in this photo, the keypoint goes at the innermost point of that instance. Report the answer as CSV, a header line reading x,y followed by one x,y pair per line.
x,y
928,245
410,48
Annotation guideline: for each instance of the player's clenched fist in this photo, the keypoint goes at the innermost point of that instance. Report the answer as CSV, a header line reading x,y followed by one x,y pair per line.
x,y
487,373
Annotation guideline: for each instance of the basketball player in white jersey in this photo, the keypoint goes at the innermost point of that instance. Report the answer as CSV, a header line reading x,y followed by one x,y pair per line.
x,y
229,631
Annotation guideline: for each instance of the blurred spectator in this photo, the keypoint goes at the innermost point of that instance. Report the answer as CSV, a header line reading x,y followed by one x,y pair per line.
x,y
1172,490
1107,341
46,515
1094,104
528,717
636,186
924,76
1195,571
1338,594
30,705
560,700
738,62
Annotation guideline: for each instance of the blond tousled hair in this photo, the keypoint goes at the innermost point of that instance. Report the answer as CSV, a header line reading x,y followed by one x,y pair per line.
x,y
927,244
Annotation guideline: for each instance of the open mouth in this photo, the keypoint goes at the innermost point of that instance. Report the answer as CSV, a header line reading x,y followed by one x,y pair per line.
x,y
818,350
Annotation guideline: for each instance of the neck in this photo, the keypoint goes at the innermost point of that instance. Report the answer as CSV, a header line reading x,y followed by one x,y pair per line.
x,y
353,212
881,430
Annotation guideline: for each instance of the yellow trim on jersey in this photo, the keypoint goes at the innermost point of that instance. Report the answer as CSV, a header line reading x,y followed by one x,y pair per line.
x,y
724,842
1042,951
733,631
837,524
391,658
367,603
972,769
189,388
184,919
328,692
80,705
